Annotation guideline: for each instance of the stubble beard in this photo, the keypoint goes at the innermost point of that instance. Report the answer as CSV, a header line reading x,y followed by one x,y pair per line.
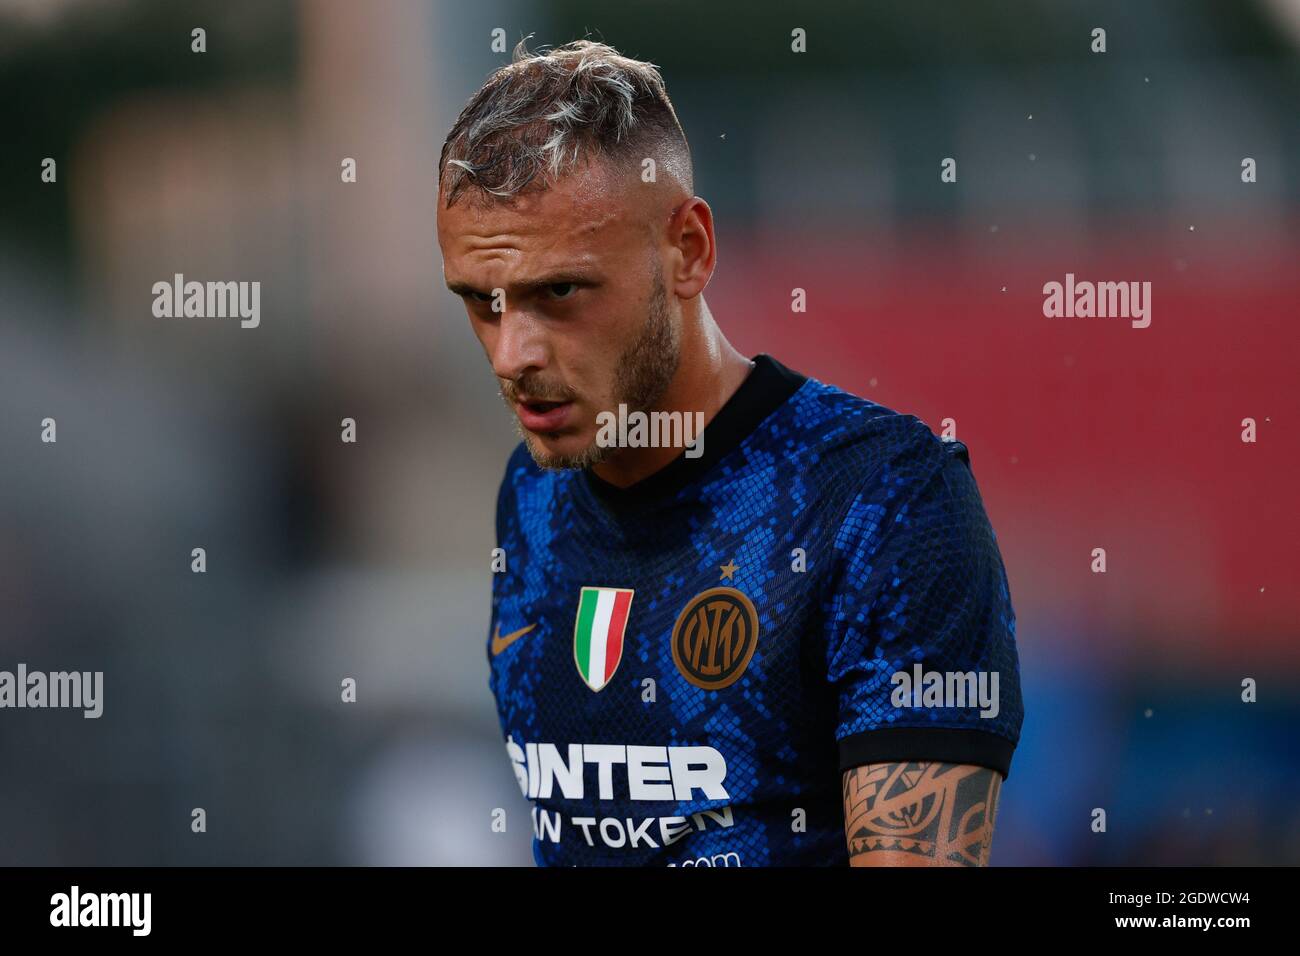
x,y
641,377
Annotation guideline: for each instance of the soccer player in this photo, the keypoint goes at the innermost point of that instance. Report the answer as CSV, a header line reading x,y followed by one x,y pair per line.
x,y
786,640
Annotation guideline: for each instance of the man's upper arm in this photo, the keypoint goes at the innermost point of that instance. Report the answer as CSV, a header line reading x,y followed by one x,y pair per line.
x,y
921,653
920,814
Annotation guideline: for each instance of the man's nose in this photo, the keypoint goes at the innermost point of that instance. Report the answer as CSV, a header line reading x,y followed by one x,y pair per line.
x,y
520,345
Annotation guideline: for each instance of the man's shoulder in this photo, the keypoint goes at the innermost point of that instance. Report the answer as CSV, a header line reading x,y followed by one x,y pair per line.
x,y
520,466
526,486
847,438
521,474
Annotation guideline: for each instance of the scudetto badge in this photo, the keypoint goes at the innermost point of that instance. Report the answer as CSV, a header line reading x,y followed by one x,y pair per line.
x,y
598,633
714,638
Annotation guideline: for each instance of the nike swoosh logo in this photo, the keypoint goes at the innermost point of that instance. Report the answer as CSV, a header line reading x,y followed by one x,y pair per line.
x,y
500,643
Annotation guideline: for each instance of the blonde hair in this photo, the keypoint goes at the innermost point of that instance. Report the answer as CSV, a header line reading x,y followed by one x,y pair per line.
x,y
543,114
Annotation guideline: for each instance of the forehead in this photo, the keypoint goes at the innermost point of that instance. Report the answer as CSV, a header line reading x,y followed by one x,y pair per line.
x,y
590,214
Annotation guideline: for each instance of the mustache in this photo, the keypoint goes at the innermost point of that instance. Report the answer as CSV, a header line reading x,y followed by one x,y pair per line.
x,y
537,390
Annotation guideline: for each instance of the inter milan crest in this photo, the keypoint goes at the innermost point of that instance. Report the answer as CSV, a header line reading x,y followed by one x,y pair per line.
x,y
714,638
598,633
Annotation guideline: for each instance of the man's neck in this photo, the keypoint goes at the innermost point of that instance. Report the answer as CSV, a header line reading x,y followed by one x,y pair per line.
x,y
708,374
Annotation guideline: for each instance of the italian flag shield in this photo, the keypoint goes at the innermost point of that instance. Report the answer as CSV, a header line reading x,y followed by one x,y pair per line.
x,y
598,633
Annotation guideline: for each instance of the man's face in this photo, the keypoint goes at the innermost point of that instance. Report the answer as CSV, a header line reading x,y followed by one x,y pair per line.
x,y
585,321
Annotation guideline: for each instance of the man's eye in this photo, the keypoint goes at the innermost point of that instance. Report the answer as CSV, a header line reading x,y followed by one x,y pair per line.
x,y
563,290
480,297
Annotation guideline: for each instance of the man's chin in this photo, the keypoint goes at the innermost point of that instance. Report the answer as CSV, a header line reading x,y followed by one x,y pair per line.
x,y
556,452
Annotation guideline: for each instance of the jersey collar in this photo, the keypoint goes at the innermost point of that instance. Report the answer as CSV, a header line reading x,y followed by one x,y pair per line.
x,y
766,388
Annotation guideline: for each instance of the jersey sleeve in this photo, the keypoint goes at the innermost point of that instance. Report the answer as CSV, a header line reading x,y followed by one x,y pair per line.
x,y
921,650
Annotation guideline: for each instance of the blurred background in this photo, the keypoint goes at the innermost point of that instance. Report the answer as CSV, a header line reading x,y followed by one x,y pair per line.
x,y
370,560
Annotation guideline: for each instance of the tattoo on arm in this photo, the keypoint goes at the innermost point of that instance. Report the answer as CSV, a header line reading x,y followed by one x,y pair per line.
x,y
931,814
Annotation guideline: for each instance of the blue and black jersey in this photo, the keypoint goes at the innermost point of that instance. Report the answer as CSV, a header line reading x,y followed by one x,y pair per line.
x,y
684,668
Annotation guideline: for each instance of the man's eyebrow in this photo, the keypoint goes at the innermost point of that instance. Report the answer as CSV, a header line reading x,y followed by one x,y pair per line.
x,y
551,278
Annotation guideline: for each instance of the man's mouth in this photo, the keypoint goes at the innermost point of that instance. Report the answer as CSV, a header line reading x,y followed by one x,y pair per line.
x,y
538,416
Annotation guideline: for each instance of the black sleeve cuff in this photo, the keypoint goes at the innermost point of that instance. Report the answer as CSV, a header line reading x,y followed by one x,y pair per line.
x,y
941,744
